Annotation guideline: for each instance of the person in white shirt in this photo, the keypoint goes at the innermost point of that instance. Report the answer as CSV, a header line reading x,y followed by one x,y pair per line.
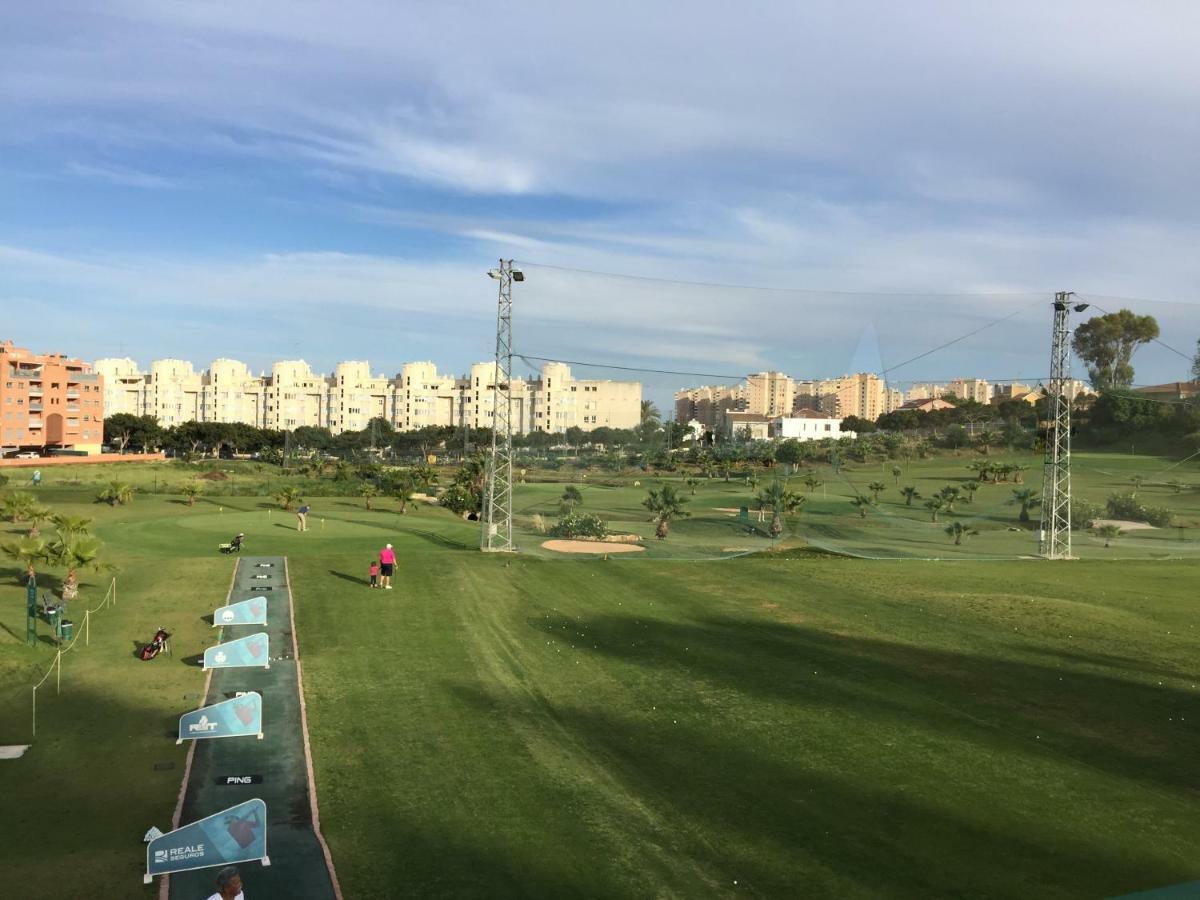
x,y
229,885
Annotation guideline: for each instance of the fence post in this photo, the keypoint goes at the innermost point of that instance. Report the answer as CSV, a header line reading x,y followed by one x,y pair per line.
x,y
34,732
58,677
87,631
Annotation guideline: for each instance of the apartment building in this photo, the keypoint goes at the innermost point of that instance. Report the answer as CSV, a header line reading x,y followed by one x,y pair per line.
x,y
770,393
232,393
49,402
708,404
174,392
976,389
356,397
422,397
124,386
295,397
924,391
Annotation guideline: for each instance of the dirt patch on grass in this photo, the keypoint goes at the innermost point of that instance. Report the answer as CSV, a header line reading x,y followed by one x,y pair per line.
x,y
1122,524
590,547
213,476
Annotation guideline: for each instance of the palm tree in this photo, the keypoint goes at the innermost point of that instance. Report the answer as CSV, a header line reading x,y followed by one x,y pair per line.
x,y
781,502
1028,500
571,496
17,505
934,505
1137,483
692,482
1108,532
984,468
425,475
752,480
958,531
75,552
37,514
812,481
666,505
970,487
287,496
862,504
1019,474
402,487
650,414
1001,471
896,473
191,491
28,552
876,487
951,494
368,492
910,494
117,493
71,525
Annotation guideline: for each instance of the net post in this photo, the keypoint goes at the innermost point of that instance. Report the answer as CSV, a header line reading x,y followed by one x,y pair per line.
x,y
33,730
58,676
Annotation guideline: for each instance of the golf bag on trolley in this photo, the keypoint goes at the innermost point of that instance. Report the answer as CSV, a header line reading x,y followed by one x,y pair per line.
x,y
157,645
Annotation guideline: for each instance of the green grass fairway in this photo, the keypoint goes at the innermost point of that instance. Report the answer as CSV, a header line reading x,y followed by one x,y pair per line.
x,y
780,725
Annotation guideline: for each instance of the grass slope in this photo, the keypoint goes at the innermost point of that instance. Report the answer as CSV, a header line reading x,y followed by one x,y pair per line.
x,y
572,727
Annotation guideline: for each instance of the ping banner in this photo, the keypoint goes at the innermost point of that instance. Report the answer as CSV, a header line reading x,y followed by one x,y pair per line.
x,y
248,651
237,834
239,717
247,612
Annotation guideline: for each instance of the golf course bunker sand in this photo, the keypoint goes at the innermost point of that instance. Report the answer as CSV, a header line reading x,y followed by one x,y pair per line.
x,y
591,547
1123,524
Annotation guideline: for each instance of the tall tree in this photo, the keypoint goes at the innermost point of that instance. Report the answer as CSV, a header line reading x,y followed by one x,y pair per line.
x,y
650,414
1106,344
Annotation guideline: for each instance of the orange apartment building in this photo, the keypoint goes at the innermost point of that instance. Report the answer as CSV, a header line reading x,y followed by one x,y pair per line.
x,y
48,402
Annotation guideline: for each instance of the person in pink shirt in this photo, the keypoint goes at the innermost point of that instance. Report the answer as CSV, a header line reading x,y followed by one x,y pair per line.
x,y
387,563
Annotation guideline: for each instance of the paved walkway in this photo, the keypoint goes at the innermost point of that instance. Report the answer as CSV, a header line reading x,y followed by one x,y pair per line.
x,y
298,868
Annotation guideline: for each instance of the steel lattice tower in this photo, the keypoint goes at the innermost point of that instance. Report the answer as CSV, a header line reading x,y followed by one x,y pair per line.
x,y
1055,534
497,532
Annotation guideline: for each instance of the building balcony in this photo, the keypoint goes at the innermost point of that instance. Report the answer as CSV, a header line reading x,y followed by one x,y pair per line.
x,y
35,392
35,407
35,423
72,395
72,409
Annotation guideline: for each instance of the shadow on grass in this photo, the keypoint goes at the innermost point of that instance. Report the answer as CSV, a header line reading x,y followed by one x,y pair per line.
x,y
783,828
344,577
440,540
1109,723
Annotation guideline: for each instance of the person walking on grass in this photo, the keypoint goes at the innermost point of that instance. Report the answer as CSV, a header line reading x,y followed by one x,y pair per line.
x,y
387,564
374,570
302,517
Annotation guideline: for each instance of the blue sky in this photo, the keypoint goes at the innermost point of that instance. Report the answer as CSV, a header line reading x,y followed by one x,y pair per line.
x,y
280,179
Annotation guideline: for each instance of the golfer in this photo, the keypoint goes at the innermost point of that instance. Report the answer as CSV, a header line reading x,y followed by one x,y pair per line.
x,y
302,517
387,562
229,885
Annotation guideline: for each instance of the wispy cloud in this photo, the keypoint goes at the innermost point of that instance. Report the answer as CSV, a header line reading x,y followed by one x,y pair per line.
x,y
122,176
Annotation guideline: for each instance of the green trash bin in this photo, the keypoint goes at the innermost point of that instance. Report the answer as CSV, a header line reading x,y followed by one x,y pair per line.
x,y
66,630
54,617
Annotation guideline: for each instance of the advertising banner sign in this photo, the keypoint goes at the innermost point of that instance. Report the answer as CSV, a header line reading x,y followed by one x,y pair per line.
x,y
253,650
247,612
229,718
238,834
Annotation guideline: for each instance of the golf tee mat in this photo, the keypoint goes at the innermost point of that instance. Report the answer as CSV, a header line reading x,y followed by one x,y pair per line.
x,y
227,772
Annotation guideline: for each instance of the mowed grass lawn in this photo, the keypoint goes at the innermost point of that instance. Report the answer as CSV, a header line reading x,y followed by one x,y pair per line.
x,y
527,726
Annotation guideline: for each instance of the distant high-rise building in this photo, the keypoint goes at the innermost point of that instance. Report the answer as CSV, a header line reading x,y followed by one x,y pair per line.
x,y
770,393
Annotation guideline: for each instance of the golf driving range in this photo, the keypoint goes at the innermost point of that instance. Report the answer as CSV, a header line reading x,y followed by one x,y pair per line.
x,y
669,723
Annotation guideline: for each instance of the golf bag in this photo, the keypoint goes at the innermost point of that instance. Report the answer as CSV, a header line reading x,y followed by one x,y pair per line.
x,y
156,646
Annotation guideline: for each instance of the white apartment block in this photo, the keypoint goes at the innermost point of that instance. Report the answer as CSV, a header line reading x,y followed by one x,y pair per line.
x,y
293,396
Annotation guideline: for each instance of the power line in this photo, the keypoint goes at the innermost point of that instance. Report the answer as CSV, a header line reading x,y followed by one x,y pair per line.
x,y
770,289
962,337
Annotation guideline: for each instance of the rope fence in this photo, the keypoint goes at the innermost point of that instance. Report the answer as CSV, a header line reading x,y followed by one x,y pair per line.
x,y
110,599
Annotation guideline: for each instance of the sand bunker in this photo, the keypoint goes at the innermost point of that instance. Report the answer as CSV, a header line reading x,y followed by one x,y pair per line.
x,y
1122,524
590,547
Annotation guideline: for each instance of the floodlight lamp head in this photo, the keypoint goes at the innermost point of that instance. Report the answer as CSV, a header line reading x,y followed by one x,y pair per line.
x,y
1080,307
518,275
1059,305
493,273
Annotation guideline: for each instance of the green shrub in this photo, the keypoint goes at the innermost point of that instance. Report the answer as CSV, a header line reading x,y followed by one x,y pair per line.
x,y
575,524
1126,506
1084,513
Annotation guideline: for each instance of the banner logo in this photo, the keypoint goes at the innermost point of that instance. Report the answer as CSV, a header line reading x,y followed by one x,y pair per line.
x,y
237,834
239,717
253,650
247,612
